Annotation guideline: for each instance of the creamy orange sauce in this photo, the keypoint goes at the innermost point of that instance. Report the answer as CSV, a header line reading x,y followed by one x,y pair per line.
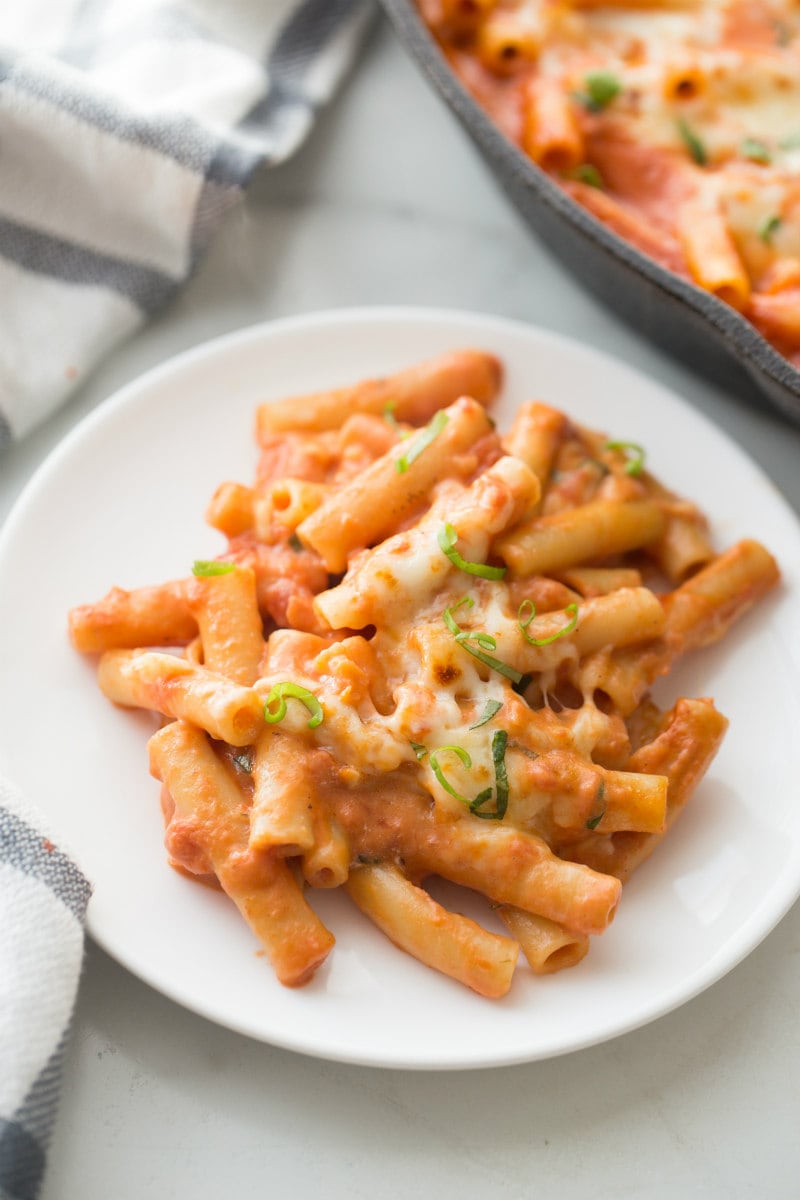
x,y
699,97
428,700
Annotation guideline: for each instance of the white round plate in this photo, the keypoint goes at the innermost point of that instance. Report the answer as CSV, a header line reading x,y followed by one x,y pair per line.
x,y
121,502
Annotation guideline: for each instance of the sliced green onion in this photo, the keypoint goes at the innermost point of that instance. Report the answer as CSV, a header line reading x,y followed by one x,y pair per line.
x,y
588,173
635,465
484,640
278,695
419,749
601,88
530,610
499,743
243,761
428,435
447,538
203,568
495,663
593,822
450,620
391,419
755,150
492,707
465,760
769,227
692,142
525,621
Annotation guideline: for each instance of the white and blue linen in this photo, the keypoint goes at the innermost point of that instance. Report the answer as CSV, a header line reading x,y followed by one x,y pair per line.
x,y
43,898
128,128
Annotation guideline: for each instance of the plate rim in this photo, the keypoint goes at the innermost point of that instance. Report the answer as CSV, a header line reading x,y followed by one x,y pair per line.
x,y
777,903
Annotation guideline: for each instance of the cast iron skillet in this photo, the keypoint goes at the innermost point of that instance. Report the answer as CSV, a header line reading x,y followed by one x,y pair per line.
x,y
689,322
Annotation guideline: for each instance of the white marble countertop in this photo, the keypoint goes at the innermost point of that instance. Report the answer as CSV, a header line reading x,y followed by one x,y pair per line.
x,y
388,203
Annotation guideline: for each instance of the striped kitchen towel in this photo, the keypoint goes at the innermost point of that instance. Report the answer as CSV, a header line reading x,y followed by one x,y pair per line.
x,y
128,128
43,898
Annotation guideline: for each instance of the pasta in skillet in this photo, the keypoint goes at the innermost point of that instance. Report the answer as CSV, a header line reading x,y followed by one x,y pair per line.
x,y
428,651
675,122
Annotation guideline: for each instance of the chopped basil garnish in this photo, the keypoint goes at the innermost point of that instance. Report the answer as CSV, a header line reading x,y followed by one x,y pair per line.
x,y
635,464
593,822
769,227
522,684
295,543
203,569
420,443
499,743
278,695
447,538
603,468
530,613
243,761
692,142
492,707
484,641
588,173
